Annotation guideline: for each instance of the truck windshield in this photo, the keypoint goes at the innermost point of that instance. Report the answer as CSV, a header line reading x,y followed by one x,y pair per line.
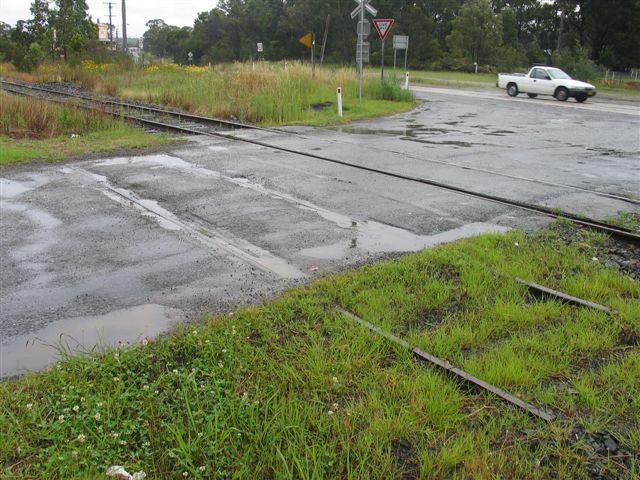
x,y
558,74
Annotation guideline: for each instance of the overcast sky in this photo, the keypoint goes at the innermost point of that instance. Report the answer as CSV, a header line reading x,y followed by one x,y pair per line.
x,y
174,12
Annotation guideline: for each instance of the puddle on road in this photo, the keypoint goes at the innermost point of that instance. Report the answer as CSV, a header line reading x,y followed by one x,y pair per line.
x,y
375,237
38,350
411,130
454,143
12,188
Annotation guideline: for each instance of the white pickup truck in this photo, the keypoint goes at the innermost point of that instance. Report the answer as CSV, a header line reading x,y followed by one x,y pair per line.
x,y
546,81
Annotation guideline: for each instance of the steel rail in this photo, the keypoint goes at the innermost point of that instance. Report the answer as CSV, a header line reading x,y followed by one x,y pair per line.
x,y
443,364
538,289
620,232
173,113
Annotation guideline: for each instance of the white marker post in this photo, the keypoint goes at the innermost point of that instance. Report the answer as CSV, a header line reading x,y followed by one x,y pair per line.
x,y
406,81
339,94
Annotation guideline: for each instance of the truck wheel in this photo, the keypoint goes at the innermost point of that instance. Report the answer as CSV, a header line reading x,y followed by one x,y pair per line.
x,y
532,95
512,90
581,98
562,94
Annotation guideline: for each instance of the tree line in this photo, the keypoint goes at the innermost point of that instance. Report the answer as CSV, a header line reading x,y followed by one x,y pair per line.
x,y
444,34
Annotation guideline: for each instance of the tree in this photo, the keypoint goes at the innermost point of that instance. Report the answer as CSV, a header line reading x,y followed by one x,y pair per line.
x,y
156,37
73,27
476,31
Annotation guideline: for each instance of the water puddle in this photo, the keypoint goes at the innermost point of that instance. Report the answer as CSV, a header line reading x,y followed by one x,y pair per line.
x,y
375,237
411,130
40,349
454,143
12,188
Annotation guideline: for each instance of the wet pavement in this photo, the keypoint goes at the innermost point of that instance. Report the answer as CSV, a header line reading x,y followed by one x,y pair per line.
x,y
118,249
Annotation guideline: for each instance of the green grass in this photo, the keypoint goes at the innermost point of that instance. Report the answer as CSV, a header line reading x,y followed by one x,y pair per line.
x,y
124,137
264,93
292,389
625,219
33,129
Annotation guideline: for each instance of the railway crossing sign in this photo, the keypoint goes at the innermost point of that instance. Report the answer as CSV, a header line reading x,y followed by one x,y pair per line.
x,y
364,28
363,4
383,26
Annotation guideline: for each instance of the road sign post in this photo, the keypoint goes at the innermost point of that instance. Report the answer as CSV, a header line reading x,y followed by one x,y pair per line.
x,y
383,26
400,42
362,54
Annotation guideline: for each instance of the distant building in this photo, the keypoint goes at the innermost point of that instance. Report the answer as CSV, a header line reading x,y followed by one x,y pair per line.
x,y
103,32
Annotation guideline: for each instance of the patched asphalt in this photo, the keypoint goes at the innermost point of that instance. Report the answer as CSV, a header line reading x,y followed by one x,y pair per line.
x,y
212,224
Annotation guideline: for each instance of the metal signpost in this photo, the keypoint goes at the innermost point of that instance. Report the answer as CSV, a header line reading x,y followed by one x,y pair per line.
x,y
190,55
383,26
362,49
400,42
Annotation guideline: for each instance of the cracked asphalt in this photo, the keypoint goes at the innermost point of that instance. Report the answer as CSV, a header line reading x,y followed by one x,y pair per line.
x,y
119,248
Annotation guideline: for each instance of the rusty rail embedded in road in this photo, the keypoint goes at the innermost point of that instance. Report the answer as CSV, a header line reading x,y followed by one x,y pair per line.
x,y
443,364
620,232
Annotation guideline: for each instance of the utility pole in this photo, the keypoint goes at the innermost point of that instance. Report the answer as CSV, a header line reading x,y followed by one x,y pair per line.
x,y
110,4
124,26
361,45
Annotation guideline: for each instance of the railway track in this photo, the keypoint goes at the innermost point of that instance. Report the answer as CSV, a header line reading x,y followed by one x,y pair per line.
x,y
160,118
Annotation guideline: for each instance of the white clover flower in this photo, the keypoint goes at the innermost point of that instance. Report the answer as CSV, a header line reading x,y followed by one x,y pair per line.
x,y
207,341
220,364
81,438
82,399
200,434
100,404
63,398
194,332
116,355
114,435
330,412
74,454
202,468
334,405
123,442
116,379
175,370
185,474
145,387
76,408
97,417
61,418
145,342
335,379
29,406
224,350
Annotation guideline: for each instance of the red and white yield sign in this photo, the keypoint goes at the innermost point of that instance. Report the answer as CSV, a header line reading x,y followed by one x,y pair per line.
x,y
383,26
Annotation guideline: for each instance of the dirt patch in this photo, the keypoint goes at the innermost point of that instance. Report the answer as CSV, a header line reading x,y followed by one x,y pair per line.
x,y
404,457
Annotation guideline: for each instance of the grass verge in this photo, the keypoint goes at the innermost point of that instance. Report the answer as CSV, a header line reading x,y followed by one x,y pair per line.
x,y
263,93
32,129
292,389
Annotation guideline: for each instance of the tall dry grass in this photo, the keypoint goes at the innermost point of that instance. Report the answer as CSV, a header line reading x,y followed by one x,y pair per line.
x,y
33,118
262,92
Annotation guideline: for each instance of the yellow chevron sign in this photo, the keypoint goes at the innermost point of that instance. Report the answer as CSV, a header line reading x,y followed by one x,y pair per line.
x,y
307,40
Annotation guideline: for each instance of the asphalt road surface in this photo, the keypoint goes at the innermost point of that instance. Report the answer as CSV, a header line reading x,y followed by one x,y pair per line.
x,y
116,249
